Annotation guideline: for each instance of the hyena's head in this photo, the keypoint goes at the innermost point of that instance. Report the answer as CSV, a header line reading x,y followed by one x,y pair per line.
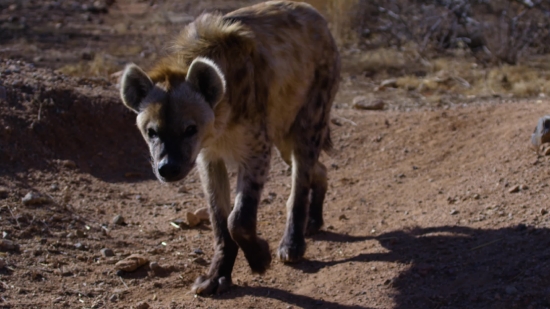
x,y
174,117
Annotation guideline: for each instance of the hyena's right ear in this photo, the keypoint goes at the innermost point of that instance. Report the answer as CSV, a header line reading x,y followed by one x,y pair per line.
x,y
135,85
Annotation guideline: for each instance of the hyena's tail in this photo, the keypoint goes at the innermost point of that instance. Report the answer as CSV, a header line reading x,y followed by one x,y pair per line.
x,y
328,146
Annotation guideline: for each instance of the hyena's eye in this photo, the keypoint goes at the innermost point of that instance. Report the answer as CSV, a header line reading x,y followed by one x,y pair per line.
x,y
152,133
190,131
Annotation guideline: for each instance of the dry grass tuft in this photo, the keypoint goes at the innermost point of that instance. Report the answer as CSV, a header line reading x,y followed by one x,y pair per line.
x,y
101,65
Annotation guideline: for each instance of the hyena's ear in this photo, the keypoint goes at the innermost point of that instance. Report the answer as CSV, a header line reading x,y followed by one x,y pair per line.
x,y
135,85
208,79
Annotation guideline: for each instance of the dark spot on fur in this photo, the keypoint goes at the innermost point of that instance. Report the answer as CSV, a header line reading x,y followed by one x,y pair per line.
x,y
254,186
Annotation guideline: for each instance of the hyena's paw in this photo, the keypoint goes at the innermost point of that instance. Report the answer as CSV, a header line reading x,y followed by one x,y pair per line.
x,y
313,226
291,250
258,255
205,285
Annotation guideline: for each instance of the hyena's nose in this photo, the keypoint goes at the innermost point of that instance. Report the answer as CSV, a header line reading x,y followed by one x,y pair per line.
x,y
168,169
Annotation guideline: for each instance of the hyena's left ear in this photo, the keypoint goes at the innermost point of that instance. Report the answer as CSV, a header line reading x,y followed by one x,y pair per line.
x,y
135,85
208,79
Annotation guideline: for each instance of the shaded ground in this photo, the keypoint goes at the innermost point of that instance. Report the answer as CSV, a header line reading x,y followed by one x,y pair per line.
x,y
418,213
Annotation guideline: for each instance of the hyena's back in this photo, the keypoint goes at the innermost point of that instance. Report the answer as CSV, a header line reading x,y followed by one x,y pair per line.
x,y
279,60
301,63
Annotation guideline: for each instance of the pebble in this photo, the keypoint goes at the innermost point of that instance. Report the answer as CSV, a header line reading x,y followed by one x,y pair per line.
x,y
119,220
514,189
198,251
511,289
543,211
154,266
131,263
192,219
67,163
3,93
8,245
392,82
203,214
454,212
363,103
200,261
113,298
142,305
4,192
79,246
106,252
35,198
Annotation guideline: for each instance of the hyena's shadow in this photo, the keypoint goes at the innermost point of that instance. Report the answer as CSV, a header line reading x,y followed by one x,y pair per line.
x,y
300,301
459,267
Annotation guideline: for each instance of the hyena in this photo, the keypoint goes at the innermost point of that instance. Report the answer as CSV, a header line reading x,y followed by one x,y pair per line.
x,y
233,87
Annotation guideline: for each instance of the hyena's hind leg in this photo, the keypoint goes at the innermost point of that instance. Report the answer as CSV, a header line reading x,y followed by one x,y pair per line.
x,y
319,187
318,190
309,135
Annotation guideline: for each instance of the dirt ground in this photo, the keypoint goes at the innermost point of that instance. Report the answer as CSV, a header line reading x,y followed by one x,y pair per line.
x,y
421,210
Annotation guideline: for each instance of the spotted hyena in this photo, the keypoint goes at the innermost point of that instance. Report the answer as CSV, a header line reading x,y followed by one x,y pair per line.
x,y
233,87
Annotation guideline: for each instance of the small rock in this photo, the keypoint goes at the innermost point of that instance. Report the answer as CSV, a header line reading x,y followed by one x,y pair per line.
x,y
8,245
113,298
142,305
454,212
192,219
4,192
106,252
2,263
200,261
198,251
342,217
119,220
336,121
523,187
155,266
79,246
514,189
67,163
35,198
543,211
511,290
203,214
541,134
392,82
3,93
131,263
363,103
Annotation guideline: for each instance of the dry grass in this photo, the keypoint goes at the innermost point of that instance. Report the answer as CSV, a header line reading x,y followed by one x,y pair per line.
x,y
464,76
101,65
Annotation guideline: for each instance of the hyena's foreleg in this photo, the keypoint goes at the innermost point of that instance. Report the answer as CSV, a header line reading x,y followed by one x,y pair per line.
x,y
217,190
242,220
